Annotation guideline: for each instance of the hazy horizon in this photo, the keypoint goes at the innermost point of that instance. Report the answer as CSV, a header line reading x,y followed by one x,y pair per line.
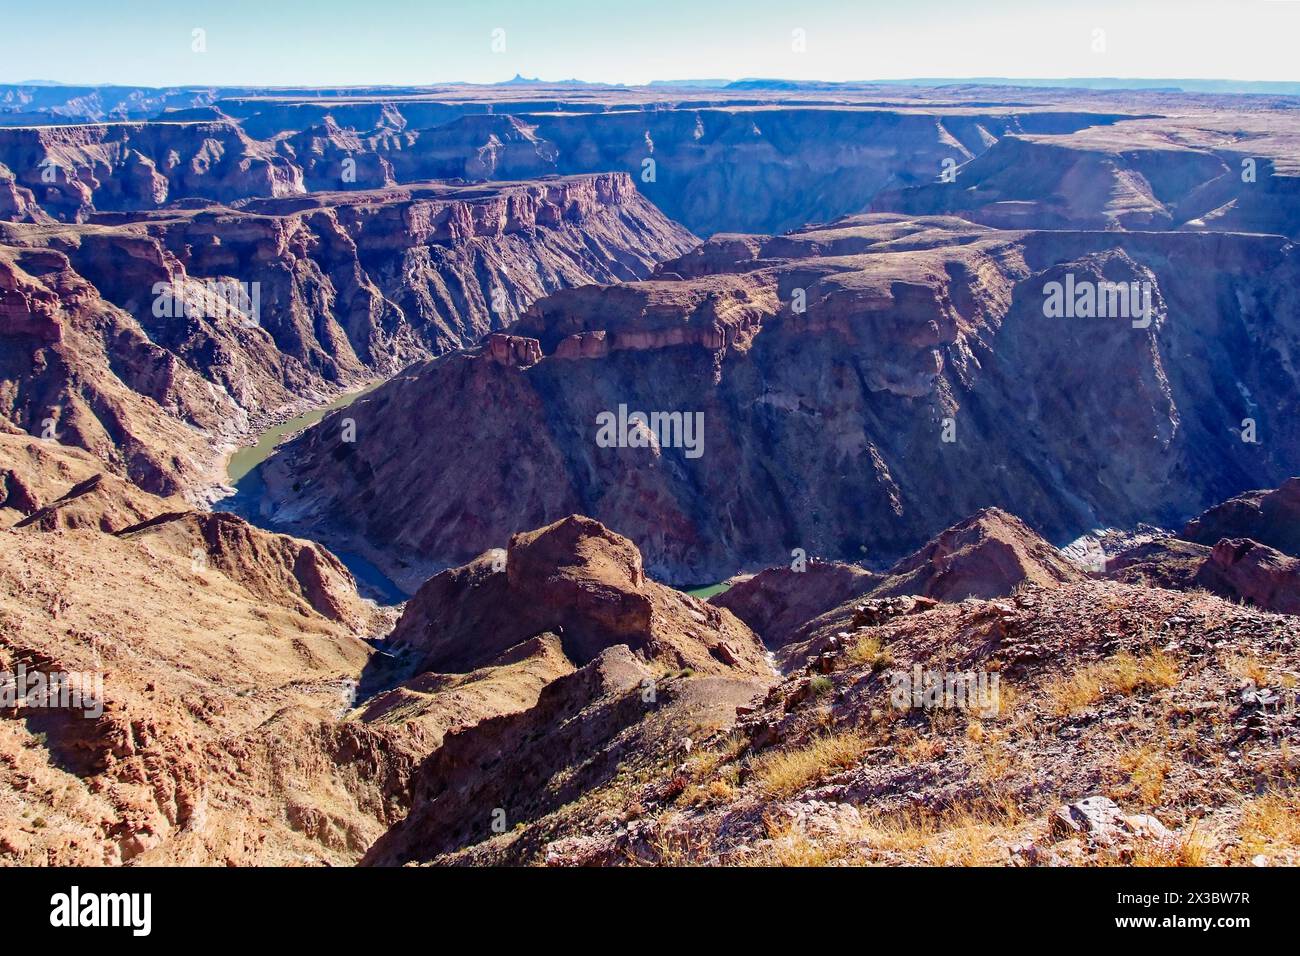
x,y
407,43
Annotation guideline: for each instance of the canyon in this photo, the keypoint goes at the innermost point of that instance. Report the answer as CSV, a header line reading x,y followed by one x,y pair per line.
x,y
112,330
862,385
572,349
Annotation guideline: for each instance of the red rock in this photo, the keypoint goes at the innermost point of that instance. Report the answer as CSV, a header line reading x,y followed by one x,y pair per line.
x,y
1271,517
583,582
1254,573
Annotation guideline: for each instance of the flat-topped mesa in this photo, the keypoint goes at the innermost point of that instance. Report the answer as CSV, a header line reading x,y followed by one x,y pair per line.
x,y
792,163
899,308
723,312
486,146
580,581
1133,176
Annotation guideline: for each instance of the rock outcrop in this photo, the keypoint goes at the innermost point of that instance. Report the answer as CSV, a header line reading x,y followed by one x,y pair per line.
x,y
581,582
1253,573
1271,517
777,602
989,555
1242,549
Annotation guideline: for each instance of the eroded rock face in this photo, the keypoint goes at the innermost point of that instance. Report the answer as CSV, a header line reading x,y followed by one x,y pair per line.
x,y
991,554
46,485
217,661
1254,573
921,357
585,584
1271,517
1238,569
119,337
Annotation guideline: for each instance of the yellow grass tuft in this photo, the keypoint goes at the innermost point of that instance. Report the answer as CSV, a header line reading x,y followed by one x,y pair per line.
x,y
1123,674
1147,767
1270,825
789,771
870,651
1248,667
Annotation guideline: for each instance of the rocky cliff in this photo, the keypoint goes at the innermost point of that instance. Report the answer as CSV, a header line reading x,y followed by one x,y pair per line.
x,y
796,159
122,337
858,387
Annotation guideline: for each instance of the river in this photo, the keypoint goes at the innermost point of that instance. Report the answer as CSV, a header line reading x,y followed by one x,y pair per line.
x,y
242,475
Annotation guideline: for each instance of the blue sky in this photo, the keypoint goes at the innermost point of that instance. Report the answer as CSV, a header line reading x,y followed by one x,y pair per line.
x,y
350,42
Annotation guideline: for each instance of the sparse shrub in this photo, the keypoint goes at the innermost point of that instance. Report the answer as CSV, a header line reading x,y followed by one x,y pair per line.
x,y
821,685
871,652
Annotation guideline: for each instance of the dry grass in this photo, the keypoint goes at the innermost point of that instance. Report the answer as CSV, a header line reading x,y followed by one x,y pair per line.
x,y
715,791
870,651
675,847
1270,825
705,762
1190,849
914,750
789,771
961,836
987,753
1248,667
1147,767
1123,674
788,846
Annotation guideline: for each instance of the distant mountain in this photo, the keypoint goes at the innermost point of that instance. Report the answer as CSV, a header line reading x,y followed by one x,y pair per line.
x,y
1282,88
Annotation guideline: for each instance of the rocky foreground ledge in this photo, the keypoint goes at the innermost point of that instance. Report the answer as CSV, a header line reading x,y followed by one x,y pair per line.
x,y
983,701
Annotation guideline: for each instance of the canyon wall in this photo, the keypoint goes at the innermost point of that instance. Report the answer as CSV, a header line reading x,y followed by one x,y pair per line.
x,y
858,388
121,336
